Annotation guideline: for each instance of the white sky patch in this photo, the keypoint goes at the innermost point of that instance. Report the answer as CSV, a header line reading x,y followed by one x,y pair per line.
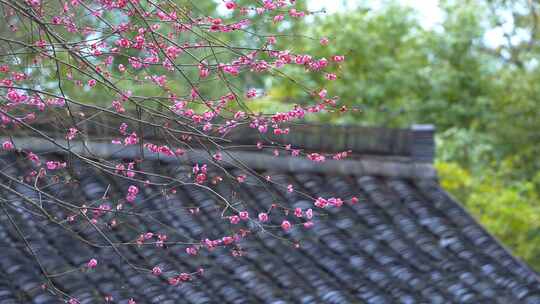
x,y
430,14
332,6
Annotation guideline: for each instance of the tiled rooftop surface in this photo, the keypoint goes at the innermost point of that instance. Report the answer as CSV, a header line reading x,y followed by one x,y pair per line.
x,y
406,241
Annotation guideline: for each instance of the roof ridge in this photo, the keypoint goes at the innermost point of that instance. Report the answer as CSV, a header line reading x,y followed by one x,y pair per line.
x,y
389,166
416,142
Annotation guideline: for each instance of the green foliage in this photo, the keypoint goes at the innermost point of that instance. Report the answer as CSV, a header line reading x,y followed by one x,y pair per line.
x,y
381,61
510,209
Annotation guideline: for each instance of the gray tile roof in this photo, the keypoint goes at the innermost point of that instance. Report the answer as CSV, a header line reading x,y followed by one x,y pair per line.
x,y
405,241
